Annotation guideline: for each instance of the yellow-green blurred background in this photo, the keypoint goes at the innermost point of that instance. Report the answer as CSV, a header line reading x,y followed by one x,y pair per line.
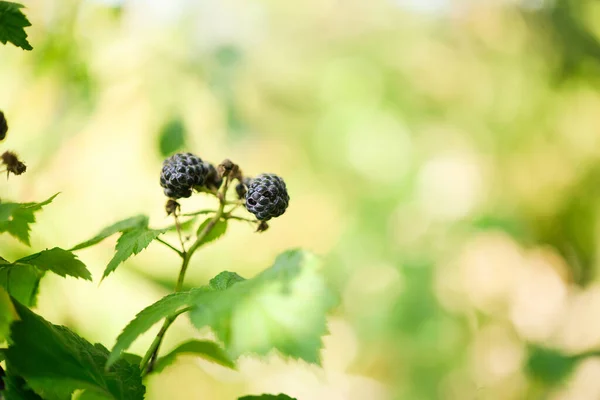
x,y
443,156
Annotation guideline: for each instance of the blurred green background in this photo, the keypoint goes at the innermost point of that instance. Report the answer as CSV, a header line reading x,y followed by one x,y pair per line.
x,y
442,156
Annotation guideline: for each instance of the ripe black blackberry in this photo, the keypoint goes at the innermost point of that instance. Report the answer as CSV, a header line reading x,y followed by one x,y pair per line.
x,y
3,126
181,173
213,179
267,197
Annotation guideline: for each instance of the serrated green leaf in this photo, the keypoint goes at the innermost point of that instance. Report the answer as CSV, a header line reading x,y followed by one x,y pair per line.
x,y
279,396
202,348
61,262
282,308
139,221
12,24
130,243
224,280
55,361
7,315
148,317
16,218
172,137
21,281
216,232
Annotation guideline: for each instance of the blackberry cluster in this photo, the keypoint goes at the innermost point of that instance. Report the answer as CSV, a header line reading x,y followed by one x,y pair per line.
x,y
267,197
181,172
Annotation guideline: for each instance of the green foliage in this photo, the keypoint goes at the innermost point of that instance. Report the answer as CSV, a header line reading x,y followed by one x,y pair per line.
x,y
16,218
7,315
149,316
550,366
172,137
61,262
12,24
282,308
201,348
17,389
21,281
216,232
139,221
55,361
224,280
280,396
135,237
131,242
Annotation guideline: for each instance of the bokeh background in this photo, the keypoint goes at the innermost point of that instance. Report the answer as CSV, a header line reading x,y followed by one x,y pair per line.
x,y
443,156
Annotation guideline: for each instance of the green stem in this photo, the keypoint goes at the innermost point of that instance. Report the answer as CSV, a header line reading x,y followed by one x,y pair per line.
x,y
170,246
149,359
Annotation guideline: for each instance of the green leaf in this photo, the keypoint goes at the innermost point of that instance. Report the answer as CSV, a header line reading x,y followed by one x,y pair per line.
x,y
280,396
202,348
216,232
130,243
149,316
12,24
224,280
184,226
55,362
7,315
16,218
59,261
172,137
282,308
550,366
17,389
21,281
139,221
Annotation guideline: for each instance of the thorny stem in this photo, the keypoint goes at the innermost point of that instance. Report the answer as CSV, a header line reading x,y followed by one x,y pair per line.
x,y
147,363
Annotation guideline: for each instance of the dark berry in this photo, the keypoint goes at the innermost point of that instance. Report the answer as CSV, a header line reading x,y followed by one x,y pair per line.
x,y
213,179
3,126
180,173
242,187
267,197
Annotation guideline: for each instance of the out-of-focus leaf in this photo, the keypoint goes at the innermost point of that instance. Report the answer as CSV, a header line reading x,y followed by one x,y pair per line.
x,y
172,137
21,281
7,315
279,396
282,308
206,349
216,232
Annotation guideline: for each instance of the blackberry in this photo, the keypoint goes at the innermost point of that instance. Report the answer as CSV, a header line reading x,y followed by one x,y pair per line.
x,y
180,173
3,126
267,197
242,187
213,179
